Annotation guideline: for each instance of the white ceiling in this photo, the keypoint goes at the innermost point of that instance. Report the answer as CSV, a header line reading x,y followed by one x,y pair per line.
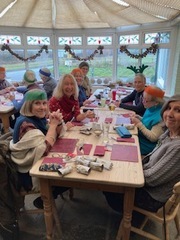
x,y
83,14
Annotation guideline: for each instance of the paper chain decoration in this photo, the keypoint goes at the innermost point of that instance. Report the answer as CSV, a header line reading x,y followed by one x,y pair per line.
x,y
90,57
153,49
38,54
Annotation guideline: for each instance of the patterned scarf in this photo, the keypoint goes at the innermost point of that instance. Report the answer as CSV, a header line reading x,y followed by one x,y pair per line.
x,y
39,123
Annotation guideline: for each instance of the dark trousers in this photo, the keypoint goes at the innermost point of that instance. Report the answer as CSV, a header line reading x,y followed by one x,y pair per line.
x,y
142,200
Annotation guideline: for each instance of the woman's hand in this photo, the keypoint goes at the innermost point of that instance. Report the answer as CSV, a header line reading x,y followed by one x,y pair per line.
x,y
69,125
90,114
135,120
55,118
87,102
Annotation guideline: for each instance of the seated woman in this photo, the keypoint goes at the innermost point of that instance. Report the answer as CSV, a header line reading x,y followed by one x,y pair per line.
x,y
4,84
78,74
161,167
33,138
65,98
136,96
49,83
150,126
84,66
30,82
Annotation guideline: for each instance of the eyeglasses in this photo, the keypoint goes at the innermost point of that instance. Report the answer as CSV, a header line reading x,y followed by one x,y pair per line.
x,y
147,101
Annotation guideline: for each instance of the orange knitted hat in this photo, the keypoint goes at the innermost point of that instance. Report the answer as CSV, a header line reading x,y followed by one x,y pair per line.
x,y
155,92
2,70
76,70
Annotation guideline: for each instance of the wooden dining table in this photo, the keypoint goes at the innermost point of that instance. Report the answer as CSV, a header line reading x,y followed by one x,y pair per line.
x,y
124,176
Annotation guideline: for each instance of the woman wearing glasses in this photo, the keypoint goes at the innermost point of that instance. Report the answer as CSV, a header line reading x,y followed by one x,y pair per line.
x,y
150,126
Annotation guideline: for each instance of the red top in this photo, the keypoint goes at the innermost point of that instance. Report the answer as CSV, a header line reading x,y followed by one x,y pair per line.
x,y
69,107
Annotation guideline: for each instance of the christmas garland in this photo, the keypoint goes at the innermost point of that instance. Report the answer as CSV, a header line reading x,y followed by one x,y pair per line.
x,y
152,49
90,57
38,54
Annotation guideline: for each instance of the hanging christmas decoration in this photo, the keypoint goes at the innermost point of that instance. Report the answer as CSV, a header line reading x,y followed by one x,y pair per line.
x,y
38,54
152,49
90,57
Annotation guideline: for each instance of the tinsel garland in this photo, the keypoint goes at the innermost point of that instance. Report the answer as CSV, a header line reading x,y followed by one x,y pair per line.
x,y
38,54
152,49
90,57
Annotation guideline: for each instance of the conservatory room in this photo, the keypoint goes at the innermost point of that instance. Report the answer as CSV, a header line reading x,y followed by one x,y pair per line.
x,y
115,41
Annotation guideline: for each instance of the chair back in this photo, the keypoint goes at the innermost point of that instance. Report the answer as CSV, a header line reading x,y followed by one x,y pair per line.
x,y
173,202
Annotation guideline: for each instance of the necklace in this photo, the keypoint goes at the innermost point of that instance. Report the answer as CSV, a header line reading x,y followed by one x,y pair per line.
x,y
173,137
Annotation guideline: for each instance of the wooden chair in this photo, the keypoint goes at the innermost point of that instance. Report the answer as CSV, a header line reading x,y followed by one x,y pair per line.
x,y
171,213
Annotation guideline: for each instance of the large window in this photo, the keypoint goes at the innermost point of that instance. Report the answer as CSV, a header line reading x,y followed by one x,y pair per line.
x,y
112,65
44,60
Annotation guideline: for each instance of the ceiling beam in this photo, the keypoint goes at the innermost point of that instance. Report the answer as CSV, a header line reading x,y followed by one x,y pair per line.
x,y
7,8
54,13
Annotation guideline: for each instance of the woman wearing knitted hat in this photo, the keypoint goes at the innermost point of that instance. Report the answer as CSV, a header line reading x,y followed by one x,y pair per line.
x,y
33,137
49,83
84,66
30,82
150,126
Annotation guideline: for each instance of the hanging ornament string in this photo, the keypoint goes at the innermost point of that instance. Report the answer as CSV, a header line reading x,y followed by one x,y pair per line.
x,y
90,57
38,54
152,49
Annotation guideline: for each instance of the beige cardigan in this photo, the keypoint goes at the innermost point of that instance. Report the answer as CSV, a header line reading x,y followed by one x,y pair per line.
x,y
27,151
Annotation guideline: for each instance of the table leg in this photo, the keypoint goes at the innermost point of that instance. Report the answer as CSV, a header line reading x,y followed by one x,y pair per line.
x,y
46,194
125,226
5,119
5,122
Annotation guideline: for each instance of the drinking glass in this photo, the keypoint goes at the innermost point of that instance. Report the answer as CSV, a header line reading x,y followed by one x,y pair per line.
x,y
106,132
112,107
97,129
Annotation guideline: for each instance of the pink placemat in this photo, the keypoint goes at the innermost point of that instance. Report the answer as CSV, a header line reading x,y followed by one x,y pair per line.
x,y
131,140
87,148
99,151
108,120
64,145
126,115
56,160
76,123
91,105
124,153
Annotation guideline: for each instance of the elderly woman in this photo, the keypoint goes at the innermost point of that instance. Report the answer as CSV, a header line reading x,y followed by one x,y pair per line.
x,y
49,83
161,167
150,126
65,98
33,138
84,66
4,84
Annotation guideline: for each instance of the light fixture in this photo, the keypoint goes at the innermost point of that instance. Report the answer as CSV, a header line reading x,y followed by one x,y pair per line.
x,y
7,8
123,3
